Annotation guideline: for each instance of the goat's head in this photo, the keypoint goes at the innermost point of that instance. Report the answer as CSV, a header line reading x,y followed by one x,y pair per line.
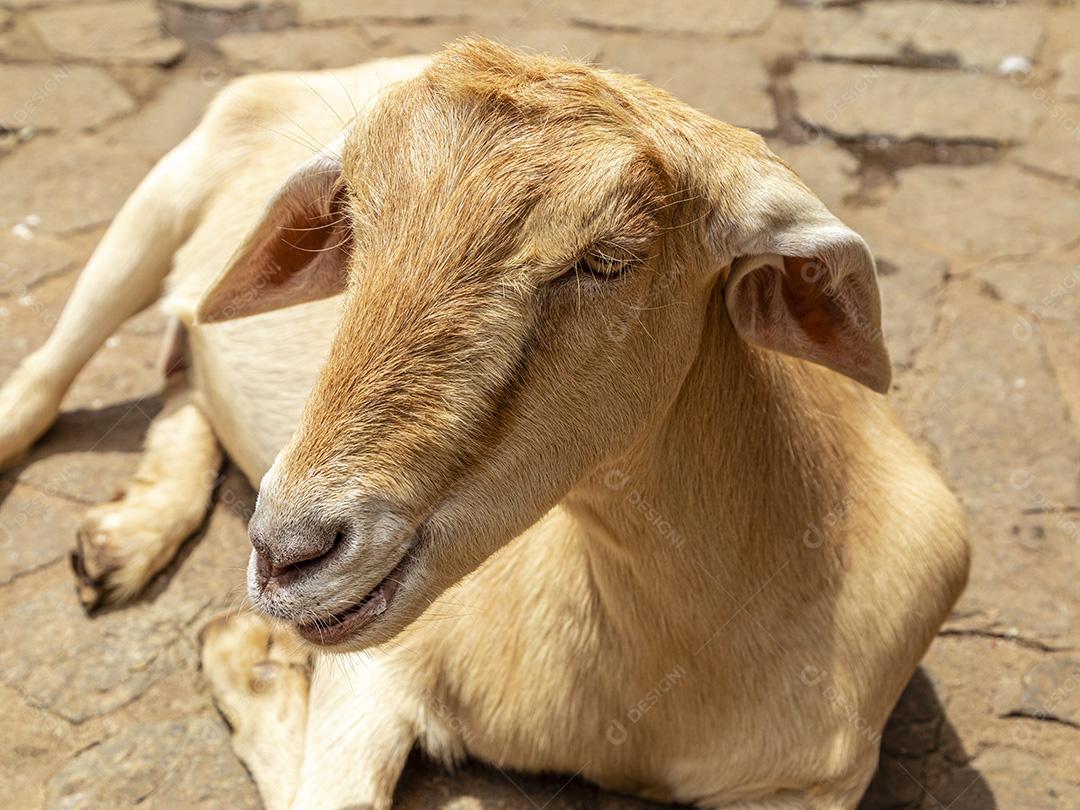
x,y
528,250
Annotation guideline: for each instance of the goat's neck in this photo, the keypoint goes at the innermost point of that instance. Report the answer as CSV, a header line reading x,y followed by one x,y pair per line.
x,y
754,452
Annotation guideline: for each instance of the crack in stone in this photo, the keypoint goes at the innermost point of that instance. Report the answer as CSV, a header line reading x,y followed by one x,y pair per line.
x,y
18,575
1063,509
1041,718
1046,174
49,492
1021,641
40,281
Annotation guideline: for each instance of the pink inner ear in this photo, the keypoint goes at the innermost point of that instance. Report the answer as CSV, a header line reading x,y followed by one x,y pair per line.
x,y
793,305
817,313
298,253
299,241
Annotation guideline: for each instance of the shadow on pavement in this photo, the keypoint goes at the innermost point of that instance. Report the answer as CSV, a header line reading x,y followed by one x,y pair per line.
x,y
118,428
923,762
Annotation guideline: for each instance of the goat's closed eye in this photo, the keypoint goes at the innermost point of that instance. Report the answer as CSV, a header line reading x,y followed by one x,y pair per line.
x,y
601,264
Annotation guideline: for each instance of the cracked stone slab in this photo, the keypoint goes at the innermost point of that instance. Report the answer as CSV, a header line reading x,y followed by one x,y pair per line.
x,y
89,455
925,33
87,467
862,101
123,369
82,668
303,49
390,39
172,764
57,660
26,262
229,5
123,375
969,673
1048,290
681,16
35,530
980,372
1006,778
984,211
1011,553
1055,145
322,11
165,120
830,171
988,403
20,5
1063,353
563,41
59,97
33,745
911,279
92,451
22,329
914,727
19,43
742,98
1068,83
1049,690
130,31
70,183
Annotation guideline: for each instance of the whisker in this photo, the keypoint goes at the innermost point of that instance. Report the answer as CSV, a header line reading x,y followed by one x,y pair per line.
x,y
348,95
322,98
344,241
320,146
332,224
288,136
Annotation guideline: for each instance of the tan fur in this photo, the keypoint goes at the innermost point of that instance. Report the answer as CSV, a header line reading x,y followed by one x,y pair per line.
x,y
617,501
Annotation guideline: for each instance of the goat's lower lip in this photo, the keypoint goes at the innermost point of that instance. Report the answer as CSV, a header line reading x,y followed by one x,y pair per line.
x,y
339,627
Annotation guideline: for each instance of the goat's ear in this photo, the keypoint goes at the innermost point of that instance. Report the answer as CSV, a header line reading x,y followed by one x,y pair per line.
x,y
801,282
297,253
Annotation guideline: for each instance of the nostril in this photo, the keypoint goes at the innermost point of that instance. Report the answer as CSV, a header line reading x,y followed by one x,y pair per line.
x,y
263,567
285,564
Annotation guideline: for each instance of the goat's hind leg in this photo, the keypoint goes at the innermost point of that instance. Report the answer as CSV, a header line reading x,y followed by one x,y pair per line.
x,y
122,544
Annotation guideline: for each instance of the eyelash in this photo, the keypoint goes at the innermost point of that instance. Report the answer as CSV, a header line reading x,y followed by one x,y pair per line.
x,y
586,265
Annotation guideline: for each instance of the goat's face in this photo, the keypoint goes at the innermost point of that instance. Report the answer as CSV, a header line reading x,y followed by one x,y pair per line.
x,y
527,269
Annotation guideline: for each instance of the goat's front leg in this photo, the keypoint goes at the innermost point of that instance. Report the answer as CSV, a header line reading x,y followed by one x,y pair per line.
x,y
360,730
258,677
122,544
342,742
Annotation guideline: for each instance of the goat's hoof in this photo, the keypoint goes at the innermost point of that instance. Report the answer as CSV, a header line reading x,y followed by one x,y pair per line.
x,y
117,551
89,589
252,665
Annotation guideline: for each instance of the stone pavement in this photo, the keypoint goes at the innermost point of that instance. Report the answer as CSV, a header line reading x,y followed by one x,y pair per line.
x,y
947,133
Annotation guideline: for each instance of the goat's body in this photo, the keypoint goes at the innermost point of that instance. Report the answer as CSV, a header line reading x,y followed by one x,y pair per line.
x,y
756,661
756,657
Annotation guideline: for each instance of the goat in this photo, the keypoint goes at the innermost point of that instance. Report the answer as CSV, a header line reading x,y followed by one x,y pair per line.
x,y
565,402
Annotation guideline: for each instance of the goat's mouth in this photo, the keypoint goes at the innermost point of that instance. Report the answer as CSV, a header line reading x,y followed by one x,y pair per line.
x,y
340,627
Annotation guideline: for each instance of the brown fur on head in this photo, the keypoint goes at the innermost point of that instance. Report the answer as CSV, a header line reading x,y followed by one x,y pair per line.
x,y
529,262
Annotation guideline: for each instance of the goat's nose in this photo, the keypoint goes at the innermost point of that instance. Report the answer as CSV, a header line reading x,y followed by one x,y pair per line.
x,y
283,554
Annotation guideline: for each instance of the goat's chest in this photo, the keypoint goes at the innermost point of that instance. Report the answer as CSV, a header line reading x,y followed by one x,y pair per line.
x,y
253,375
